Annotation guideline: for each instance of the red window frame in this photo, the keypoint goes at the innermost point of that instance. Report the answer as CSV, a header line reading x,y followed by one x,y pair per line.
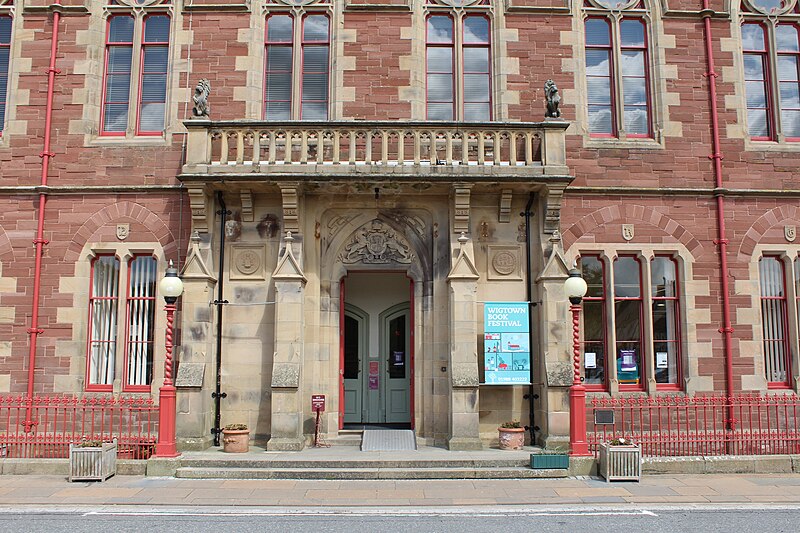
x,y
779,308
108,46
437,44
644,50
136,306
101,387
765,82
609,50
142,73
284,44
615,75
488,73
5,45
796,55
640,340
675,299
306,43
603,340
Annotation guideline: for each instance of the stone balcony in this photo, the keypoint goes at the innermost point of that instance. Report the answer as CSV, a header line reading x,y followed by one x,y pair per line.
x,y
247,151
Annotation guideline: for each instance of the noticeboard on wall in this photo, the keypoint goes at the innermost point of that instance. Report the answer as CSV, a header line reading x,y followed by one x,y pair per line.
x,y
506,343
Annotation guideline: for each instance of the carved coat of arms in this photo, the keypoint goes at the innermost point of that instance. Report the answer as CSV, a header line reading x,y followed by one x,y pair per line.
x,y
376,244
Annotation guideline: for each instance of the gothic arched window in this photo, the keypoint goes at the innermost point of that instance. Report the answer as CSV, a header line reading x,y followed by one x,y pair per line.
x,y
618,69
136,67
771,57
297,67
458,59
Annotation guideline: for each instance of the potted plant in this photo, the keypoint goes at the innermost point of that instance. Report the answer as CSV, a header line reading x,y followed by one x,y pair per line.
x,y
92,460
235,438
512,435
620,460
548,459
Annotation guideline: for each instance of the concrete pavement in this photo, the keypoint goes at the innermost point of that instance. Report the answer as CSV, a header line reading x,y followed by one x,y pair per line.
x,y
739,489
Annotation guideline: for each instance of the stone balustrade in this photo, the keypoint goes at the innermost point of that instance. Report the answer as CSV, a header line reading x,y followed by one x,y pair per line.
x,y
415,149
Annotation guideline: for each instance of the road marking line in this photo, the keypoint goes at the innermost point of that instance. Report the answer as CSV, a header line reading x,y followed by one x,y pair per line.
x,y
376,512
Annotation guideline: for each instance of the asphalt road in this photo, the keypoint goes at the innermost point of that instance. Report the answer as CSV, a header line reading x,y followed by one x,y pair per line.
x,y
750,518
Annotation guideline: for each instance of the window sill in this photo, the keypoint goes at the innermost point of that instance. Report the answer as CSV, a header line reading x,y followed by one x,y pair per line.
x,y
151,140
627,144
771,146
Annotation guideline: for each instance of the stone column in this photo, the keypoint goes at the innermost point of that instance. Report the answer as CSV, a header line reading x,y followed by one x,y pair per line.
x,y
464,433
195,373
287,408
555,343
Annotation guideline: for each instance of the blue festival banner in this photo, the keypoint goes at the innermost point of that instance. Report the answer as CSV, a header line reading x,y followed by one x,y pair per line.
x,y
506,343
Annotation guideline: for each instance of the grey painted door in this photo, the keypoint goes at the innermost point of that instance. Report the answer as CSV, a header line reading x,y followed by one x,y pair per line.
x,y
356,333
395,345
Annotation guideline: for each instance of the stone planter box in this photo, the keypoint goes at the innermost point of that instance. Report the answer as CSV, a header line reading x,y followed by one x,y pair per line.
x,y
541,461
620,463
92,463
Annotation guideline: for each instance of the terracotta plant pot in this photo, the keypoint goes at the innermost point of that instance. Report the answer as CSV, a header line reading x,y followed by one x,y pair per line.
x,y
511,438
235,440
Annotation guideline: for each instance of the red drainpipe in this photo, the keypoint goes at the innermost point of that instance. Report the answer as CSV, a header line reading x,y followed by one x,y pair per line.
x,y
722,241
34,331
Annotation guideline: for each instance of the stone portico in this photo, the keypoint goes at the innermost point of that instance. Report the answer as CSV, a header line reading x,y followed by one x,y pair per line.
x,y
314,209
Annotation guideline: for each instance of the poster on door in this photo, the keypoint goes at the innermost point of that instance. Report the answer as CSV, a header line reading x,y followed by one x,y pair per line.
x,y
506,343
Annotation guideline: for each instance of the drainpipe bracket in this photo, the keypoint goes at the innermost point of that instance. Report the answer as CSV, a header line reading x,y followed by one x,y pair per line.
x,y
721,241
728,329
40,241
48,154
35,331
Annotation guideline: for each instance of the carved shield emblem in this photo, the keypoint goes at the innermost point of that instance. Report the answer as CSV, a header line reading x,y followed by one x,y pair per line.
x,y
376,244
627,232
123,230
790,232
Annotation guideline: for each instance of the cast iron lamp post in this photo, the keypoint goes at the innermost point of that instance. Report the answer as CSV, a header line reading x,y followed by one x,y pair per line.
x,y
575,289
171,288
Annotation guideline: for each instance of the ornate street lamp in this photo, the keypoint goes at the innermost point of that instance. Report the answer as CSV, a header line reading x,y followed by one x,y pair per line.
x,y
575,289
171,287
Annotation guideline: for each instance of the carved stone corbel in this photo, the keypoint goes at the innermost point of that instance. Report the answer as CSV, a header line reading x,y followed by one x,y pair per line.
x,y
246,196
289,194
552,213
505,206
198,203
461,208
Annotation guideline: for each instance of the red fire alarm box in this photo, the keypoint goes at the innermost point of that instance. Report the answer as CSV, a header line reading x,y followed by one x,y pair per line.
x,y
317,402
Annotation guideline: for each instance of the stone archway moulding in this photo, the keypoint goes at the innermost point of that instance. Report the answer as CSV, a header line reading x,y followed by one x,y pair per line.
x,y
374,240
121,211
755,233
647,215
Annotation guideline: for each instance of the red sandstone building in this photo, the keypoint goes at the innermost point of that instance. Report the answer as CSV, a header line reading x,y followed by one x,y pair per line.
x,y
368,175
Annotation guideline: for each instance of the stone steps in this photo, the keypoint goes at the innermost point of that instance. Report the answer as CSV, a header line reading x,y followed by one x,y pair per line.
x,y
250,462
364,472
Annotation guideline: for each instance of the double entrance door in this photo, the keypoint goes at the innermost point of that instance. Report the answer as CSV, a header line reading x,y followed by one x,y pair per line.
x,y
377,349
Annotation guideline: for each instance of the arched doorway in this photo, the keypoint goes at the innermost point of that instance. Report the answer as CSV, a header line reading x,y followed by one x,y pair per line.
x,y
377,349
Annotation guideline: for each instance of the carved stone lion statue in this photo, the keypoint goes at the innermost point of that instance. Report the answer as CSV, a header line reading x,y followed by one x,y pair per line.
x,y
201,106
552,99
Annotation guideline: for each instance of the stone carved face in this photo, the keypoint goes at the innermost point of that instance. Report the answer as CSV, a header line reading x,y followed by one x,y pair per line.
x,y
233,228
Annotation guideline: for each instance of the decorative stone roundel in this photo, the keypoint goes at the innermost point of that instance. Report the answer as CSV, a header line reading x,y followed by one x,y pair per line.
x,y
461,3
298,2
504,262
248,262
771,7
614,5
142,3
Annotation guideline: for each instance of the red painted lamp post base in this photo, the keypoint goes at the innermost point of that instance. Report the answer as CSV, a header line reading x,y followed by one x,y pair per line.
x,y
577,394
165,447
